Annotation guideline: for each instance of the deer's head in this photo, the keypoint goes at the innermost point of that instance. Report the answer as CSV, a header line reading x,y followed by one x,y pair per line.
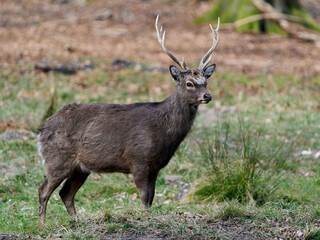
x,y
191,83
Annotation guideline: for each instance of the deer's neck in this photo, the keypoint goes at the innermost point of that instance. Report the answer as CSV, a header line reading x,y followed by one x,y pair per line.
x,y
179,115
174,119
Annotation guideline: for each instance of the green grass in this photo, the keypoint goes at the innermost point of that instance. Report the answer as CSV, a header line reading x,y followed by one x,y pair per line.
x,y
251,161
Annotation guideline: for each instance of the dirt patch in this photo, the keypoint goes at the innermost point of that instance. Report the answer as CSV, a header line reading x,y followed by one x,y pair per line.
x,y
4,236
36,31
9,124
195,226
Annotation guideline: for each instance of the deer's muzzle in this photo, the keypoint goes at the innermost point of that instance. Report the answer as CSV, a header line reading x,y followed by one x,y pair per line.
x,y
206,98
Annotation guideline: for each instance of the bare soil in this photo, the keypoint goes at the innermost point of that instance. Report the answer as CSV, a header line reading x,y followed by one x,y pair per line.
x,y
37,31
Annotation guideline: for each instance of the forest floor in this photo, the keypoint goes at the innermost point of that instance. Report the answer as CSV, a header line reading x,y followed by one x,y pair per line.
x,y
270,82
35,31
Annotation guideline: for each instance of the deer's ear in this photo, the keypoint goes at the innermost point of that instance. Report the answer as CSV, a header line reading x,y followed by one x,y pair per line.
x,y
175,72
207,72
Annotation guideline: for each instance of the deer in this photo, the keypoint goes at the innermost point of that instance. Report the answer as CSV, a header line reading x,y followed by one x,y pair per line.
x,y
138,138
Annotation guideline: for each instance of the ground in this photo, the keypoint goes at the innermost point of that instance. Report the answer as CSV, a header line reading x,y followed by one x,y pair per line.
x,y
35,31
269,82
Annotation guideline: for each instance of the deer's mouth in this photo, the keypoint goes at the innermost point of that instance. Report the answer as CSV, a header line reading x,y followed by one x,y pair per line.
x,y
204,101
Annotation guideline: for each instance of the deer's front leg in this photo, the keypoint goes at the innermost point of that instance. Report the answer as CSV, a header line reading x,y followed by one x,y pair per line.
x,y
146,186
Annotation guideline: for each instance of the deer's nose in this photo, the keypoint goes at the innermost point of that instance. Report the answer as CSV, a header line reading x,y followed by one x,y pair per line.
x,y
207,97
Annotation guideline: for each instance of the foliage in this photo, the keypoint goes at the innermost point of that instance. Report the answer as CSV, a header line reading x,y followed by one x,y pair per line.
x,y
232,10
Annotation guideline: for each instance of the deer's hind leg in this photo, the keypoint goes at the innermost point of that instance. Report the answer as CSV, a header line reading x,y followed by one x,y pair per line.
x,y
58,169
70,188
45,191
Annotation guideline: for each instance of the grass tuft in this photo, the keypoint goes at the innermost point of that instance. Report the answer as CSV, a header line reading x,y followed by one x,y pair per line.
x,y
242,166
52,108
231,210
313,235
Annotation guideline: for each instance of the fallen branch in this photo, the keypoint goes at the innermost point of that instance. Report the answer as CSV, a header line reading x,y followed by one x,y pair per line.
x,y
270,16
280,19
66,68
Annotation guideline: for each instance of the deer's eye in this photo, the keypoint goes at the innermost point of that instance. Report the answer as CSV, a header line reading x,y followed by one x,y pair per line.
x,y
189,84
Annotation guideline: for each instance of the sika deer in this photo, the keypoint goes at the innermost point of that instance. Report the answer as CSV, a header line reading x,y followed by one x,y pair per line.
x,y
136,138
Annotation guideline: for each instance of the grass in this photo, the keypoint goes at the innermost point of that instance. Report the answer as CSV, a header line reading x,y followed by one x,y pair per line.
x,y
241,164
251,161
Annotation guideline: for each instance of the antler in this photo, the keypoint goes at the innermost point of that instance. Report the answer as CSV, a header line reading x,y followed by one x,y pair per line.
x,y
161,38
206,59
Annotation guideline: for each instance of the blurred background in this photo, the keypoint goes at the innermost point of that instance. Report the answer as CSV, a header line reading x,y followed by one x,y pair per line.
x,y
71,30
249,169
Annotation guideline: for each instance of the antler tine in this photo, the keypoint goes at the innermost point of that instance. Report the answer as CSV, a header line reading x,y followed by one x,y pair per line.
x,y
161,39
207,57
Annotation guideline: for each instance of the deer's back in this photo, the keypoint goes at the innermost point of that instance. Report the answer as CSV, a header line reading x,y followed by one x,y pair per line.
x,y
103,137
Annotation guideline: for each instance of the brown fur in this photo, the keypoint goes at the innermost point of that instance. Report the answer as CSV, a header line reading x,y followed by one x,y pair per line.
x,y
137,138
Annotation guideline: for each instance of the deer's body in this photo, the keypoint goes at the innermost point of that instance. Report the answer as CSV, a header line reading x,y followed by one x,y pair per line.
x,y
101,137
136,138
